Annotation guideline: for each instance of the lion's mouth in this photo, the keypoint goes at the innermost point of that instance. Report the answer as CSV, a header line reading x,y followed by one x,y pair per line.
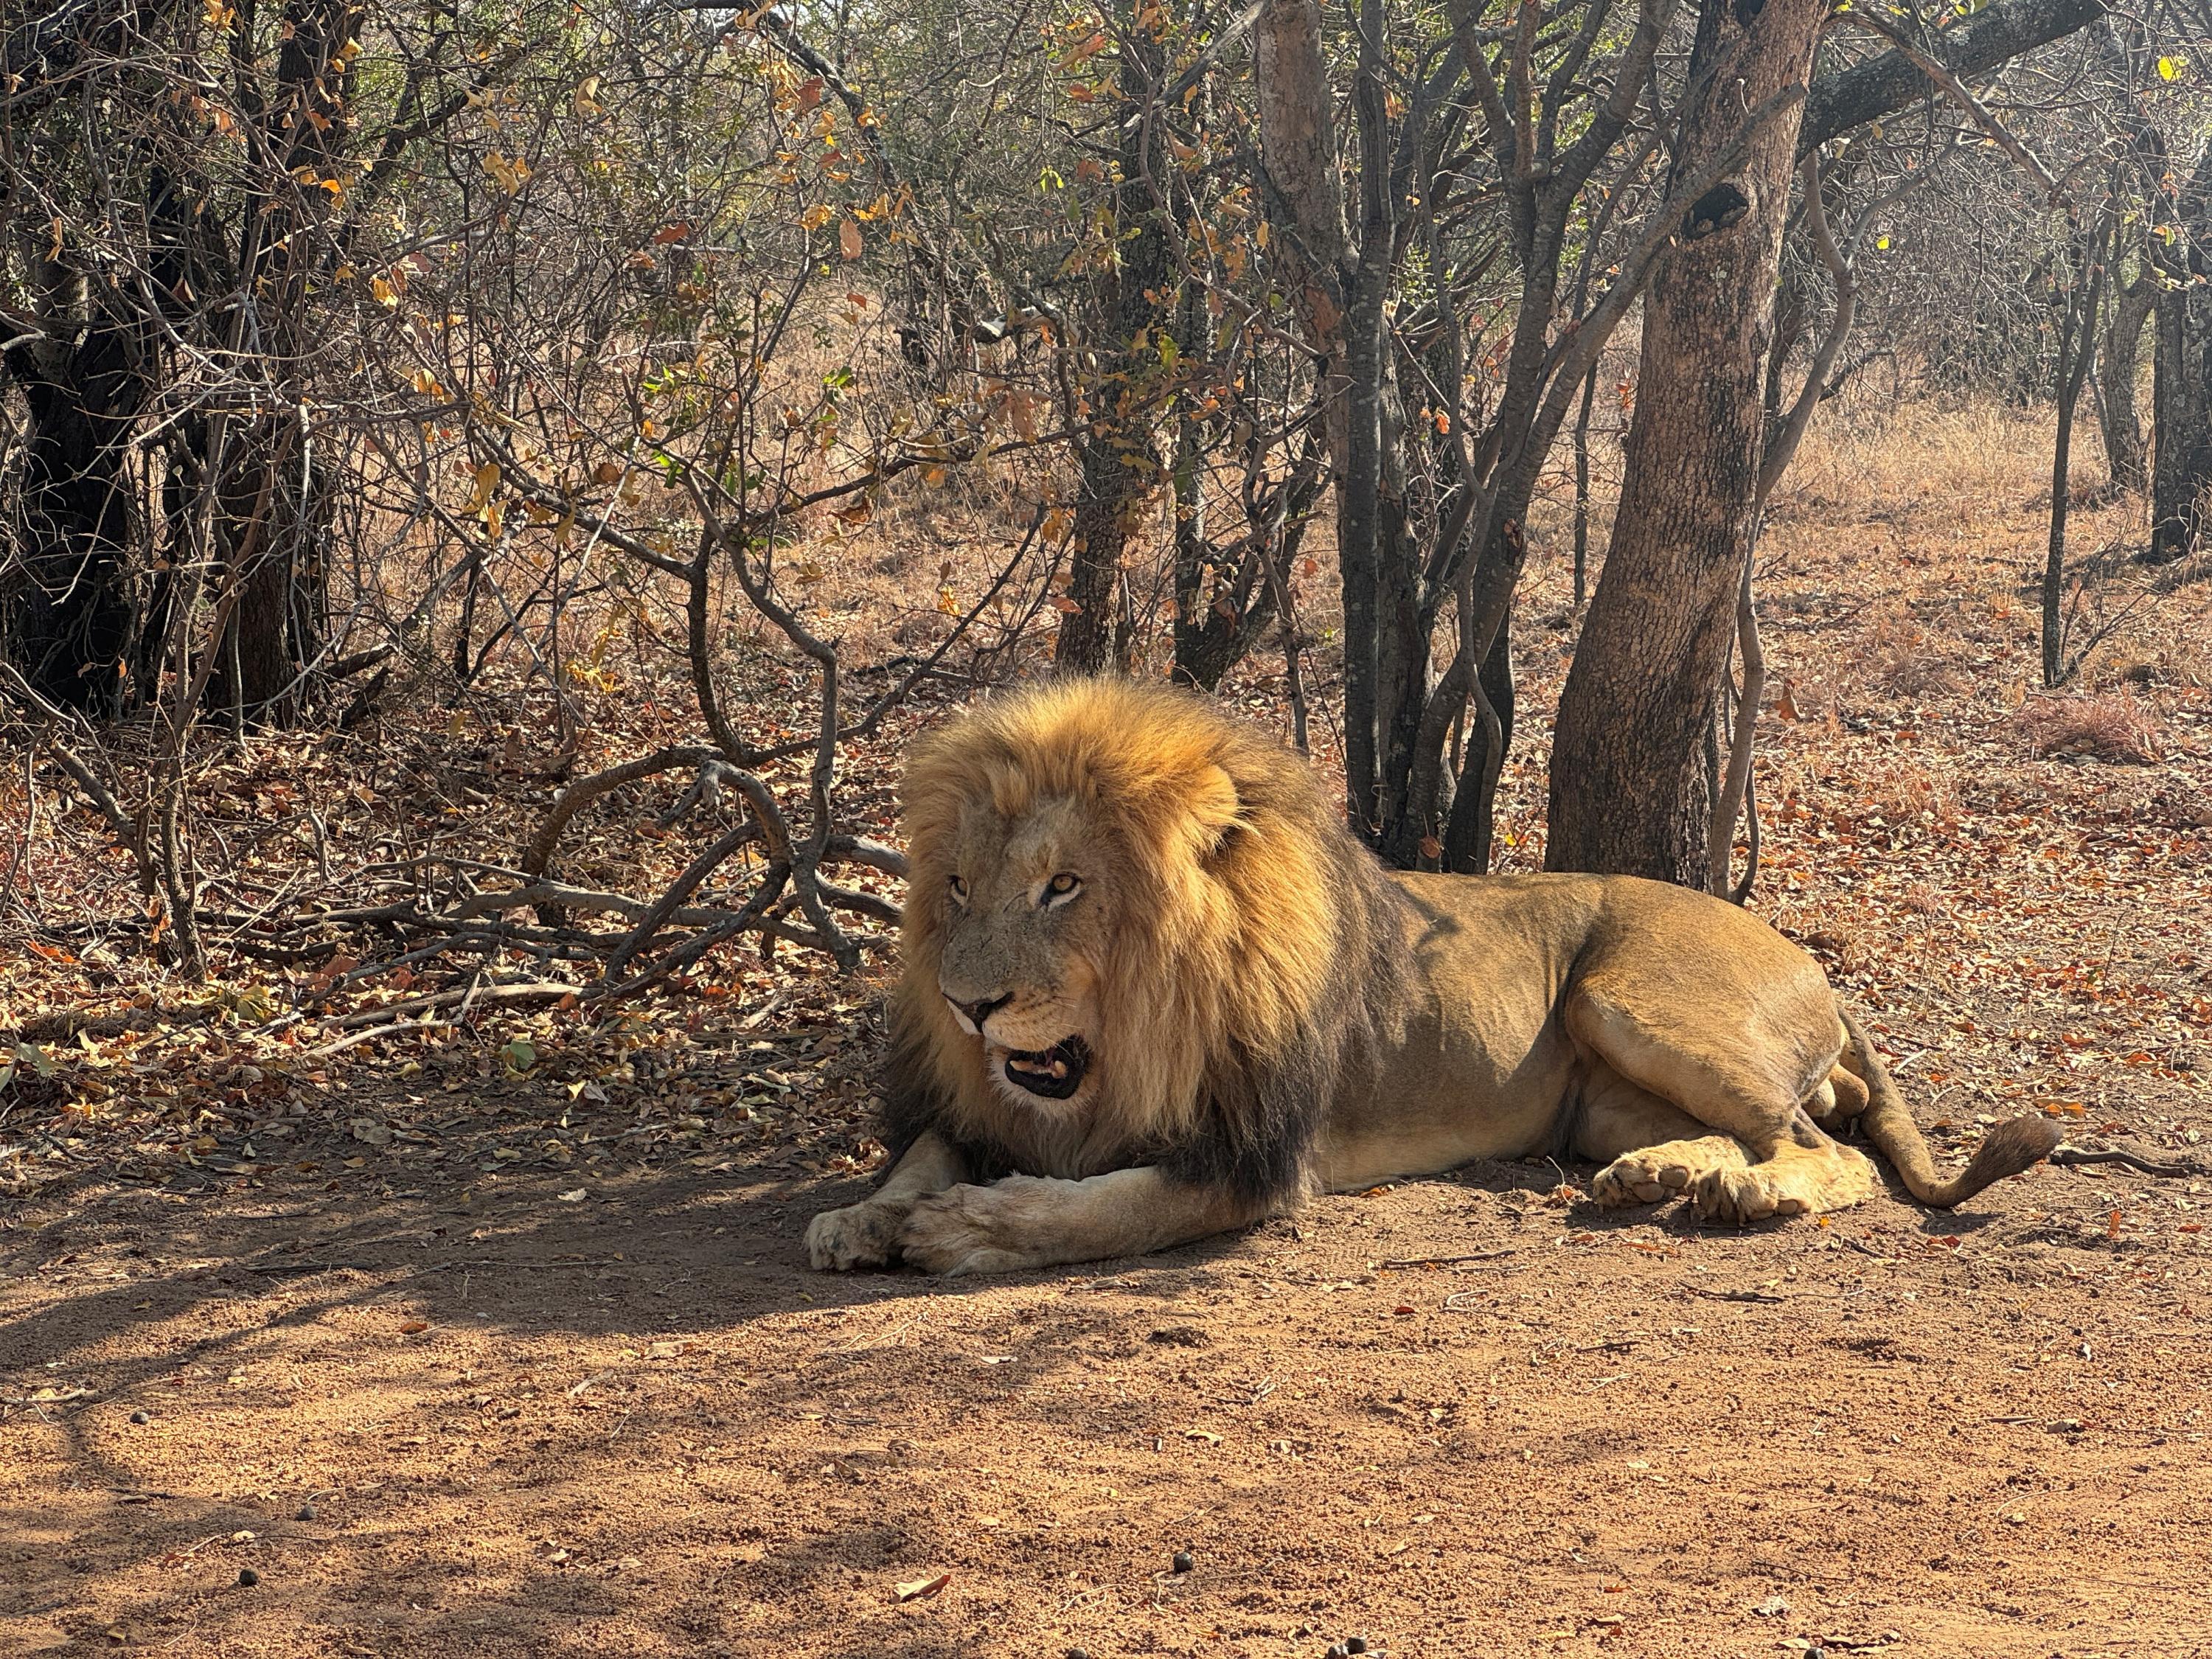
x,y
1054,1073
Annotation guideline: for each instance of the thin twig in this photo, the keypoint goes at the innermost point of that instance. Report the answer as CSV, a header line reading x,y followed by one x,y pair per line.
x,y
2068,1154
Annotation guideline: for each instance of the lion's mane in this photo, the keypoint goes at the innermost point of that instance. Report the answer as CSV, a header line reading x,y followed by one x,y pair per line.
x,y
1254,972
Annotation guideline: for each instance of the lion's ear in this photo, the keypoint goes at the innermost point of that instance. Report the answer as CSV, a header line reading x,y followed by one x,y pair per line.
x,y
1217,807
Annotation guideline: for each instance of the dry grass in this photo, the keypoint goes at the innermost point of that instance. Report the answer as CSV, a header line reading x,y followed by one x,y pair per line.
x,y
1960,458
2112,725
1908,662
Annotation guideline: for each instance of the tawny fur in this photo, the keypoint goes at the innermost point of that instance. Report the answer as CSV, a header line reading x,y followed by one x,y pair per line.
x,y
1268,1011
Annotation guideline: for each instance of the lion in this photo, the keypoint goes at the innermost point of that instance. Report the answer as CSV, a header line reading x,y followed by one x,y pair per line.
x,y
1154,989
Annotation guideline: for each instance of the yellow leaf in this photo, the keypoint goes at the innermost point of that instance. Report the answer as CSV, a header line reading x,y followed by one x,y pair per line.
x,y
2169,68
815,217
487,478
507,172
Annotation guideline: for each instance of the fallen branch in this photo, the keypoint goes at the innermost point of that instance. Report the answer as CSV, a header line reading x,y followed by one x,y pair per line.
x,y
2067,1154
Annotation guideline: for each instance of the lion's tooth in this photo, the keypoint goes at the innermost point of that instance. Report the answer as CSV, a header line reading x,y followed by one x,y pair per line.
x,y
1060,1068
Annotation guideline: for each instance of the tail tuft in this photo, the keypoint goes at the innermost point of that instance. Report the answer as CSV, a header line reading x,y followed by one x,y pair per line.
x,y
2007,1150
2017,1143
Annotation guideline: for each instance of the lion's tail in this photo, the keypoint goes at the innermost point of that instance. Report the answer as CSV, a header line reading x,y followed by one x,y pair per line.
x,y
2008,1149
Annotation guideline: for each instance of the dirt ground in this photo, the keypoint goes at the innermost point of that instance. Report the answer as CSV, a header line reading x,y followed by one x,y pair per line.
x,y
498,1342
486,1421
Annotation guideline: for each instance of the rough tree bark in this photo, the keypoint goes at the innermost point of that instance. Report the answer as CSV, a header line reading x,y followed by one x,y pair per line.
x,y
2182,478
70,614
1630,789
277,550
2119,360
1119,456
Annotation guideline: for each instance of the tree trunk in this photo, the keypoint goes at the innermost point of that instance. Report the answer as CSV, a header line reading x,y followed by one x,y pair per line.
x,y
1119,458
2182,394
70,609
278,555
2076,344
1630,782
2119,360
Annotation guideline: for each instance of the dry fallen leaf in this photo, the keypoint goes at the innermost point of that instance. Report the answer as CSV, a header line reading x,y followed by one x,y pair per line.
x,y
914,1589
414,1325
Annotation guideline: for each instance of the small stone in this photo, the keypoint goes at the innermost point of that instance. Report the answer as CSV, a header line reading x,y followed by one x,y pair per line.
x,y
1182,1561
1816,1653
305,1512
1355,1644
1336,1651
247,1578
1078,1653
140,1417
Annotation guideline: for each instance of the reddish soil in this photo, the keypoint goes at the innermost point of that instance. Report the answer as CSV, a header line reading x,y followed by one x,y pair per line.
x,y
631,1424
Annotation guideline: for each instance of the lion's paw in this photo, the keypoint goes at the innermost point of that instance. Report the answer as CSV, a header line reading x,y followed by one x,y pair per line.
x,y
1641,1177
966,1230
863,1235
1741,1197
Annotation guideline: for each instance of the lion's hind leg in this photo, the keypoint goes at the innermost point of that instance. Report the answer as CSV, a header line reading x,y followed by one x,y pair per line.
x,y
1652,1150
1726,1127
1808,1174
1839,1100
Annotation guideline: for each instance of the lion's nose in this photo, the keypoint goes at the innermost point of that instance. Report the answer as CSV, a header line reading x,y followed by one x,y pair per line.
x,y
980,1011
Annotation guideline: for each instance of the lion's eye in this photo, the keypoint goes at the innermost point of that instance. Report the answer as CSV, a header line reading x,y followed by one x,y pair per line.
x,y
1061,886
959,888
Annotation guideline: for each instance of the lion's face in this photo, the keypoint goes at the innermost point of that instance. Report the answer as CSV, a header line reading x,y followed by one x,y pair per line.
x,y
1121,909
1027,905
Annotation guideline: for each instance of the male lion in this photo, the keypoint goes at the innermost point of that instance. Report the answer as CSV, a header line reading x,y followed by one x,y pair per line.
x,y
1155,990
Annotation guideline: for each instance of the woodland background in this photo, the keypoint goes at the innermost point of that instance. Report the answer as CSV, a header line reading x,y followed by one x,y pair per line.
x,y
655,404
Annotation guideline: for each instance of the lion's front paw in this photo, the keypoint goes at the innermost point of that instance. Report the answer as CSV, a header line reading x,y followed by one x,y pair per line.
x,y
1639,1178
865,1235
968,1229
1651,1174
